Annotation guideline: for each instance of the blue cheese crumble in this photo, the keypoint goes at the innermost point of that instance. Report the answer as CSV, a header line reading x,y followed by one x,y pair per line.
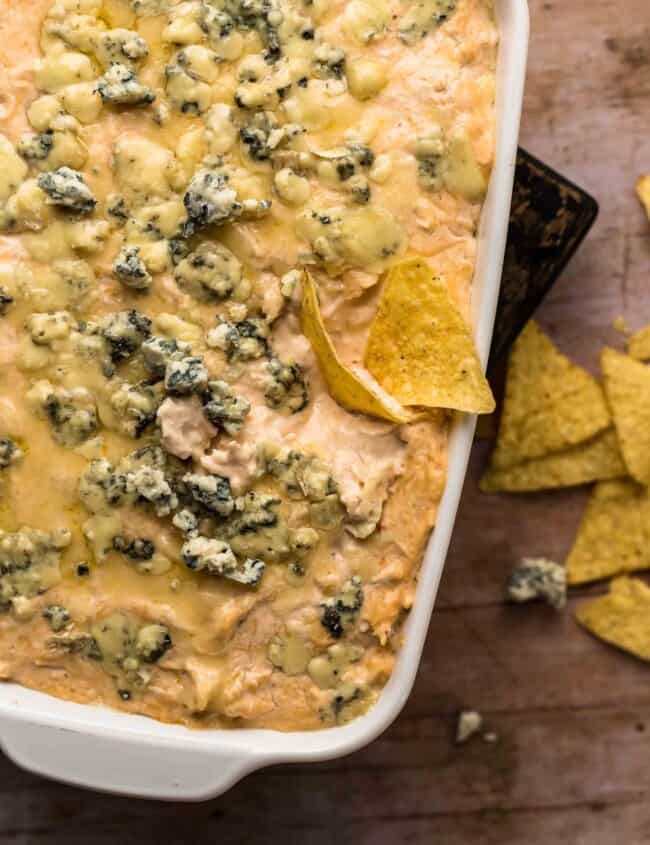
x,y
538,578
120,86
216,557
67,188
130,268
29,566
10,453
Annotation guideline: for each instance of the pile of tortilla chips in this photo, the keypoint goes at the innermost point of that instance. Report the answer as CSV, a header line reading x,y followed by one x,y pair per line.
x,y
560,427
615,532
420,354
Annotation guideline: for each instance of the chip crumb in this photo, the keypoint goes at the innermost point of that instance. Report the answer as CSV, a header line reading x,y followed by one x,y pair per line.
x,y
491,737
469,723
538,578
620,325
643,192
638,344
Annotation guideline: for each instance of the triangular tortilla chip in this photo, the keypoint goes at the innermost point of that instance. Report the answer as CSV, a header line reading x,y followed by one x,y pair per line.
x,y
420,348
638,345
598,459
355,391
614,535
627,387
550,403
622,617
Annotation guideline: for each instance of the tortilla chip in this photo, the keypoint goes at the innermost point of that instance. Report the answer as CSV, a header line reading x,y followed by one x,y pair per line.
x,y
614,535
352,390
627,387
420,348
638,346
550,403
598,459
619,324
622,617
643,192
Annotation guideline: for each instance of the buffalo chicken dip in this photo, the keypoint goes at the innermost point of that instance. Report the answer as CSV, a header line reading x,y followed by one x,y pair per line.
x,y
213,504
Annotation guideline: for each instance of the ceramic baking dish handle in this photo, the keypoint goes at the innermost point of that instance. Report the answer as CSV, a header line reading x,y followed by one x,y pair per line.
x,y
129,767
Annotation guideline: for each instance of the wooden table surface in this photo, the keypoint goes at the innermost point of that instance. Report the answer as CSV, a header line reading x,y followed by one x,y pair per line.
x,y
572,764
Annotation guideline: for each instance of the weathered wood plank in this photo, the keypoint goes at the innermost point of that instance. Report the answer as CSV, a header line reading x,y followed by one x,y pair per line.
x,y
528,658
585,112
589,824
414,772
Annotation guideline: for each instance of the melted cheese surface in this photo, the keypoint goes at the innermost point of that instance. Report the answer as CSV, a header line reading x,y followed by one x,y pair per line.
x,y
177,161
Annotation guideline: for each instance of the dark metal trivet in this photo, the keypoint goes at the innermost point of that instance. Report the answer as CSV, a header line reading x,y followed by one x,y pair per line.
x,y
549,218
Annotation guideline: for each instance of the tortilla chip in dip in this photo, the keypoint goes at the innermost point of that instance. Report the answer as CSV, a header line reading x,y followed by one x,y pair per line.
x,y
420,348
614,535
643,192
550,403
622,617
595,460
638,345
356,391
627,386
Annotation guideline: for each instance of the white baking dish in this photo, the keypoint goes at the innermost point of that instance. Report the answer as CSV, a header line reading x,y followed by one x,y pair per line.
x,y
103,749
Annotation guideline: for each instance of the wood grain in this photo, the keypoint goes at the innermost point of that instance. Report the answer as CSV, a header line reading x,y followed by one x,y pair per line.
x,y
572,716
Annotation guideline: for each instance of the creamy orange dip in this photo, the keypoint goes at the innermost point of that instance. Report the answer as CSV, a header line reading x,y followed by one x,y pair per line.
x,y
192,528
